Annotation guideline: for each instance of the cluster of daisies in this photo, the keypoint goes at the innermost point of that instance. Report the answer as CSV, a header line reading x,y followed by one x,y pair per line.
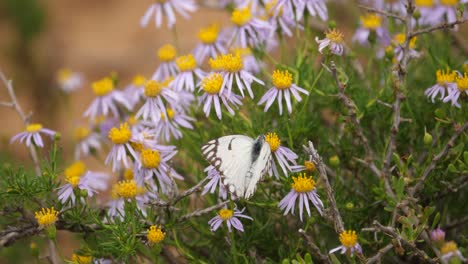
x,y
451,85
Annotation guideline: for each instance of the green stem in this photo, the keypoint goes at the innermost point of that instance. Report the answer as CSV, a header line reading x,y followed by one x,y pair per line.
x,y
233,247
310,90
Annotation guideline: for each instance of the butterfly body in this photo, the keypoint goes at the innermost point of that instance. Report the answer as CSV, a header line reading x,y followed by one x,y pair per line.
x,y
241,160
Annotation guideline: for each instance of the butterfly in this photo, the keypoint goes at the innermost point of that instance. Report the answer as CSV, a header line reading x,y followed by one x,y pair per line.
x,y
241,160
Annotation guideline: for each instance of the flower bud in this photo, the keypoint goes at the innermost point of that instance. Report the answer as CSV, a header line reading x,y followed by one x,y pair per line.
x,y
438,236
332,24
57,136
417,14
334,161
427,139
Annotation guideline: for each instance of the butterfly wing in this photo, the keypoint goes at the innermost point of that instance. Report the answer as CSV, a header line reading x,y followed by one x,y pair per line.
x,y
259,167
232,156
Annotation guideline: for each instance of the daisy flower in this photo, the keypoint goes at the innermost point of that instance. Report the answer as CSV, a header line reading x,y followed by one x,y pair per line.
x,y
213,95
170,126
313,7
282,86
212,43
282,19
78,177
438,236
285,157
349,243
460,89
166,8
399,41
303,188
188,68
31,136
135,90
167,68
250,63
129,190
371,23
215,182
450,250
248,31
69,81
86,141
121,138
154,105
445,82
106,100
155,235
231,217
309,166
333,40
232,68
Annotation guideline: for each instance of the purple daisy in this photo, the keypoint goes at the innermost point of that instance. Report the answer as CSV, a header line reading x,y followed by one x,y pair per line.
x,y
32,135
167,7
231,217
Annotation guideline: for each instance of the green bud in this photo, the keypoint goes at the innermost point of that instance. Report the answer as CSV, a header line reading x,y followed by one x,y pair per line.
x,y
57,136
334,161
349,205
83,193
417,14
332,24
51,231
427,139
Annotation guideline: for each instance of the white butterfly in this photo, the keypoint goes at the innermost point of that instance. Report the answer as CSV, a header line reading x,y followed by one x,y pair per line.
x,y
241,160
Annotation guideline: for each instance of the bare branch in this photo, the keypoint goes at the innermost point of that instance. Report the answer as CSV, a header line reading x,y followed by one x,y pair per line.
x,y
382,12
315,249
438,27
203,211
378,257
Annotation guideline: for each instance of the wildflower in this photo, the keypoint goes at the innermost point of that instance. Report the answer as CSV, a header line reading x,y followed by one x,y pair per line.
x,y
450,250
31,136
438,235
215,181
248,30
212,43
284,156
69,81
371,23
106,100
77,176
213,95
167,7
349,243
171,125
461,88
399,41
188,68
121,138
155,96
155,235
282,86
231,217
46,217
135,90
232,68
128,190
313,7
334,40
303,187
445,81
444,11
80,259
309,166
282,19
167,55
86,141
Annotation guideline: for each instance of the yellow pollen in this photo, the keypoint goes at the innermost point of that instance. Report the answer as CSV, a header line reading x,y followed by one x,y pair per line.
x,y
103,86
63,75
79,259
371,21
348,238
153,88
74,172
282,79
302,183
155,235
212,83
139,80
462,82
120,135
448,247
128,189
449,2
444,77
208,35
334,35
227,62
81,133
273,140
400,38
150,159
33,128
128,174
46,217
309,165
241,17
424,3
186,63
167,53
225,214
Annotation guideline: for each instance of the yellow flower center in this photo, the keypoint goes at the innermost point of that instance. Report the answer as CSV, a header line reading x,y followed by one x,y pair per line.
x,y
282,79
241,17
309,165
79,259
81,133
46,217
371,21
128,189
170,114
150,158
225,214
153,88
448,247
103,86
400,38
186,63
167,53
424,3
63,75
241,51
462,82
33,128
273,140
74,172
120,135
334,35
128,174
209,34
139,80
449,2
302,183
155,235
227,62
348,238
212,83
444,77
